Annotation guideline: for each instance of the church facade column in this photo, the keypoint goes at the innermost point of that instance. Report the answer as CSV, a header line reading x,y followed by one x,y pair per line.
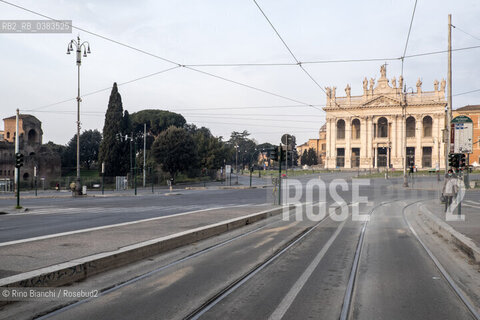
x,y
363,142
418,140
369,140
328,143
394,138
333,146
436,139
348,137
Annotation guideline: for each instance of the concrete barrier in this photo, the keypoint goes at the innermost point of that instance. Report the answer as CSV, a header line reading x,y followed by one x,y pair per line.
x,y
80,269
463,242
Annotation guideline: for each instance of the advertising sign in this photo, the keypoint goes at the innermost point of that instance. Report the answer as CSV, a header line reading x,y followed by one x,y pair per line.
x,y
462,129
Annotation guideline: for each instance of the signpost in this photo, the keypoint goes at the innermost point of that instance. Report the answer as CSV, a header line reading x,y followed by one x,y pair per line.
x,y
228,174
462,128
462,140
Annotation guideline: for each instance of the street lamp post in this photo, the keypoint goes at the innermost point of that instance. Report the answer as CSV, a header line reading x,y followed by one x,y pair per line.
x,y
86,50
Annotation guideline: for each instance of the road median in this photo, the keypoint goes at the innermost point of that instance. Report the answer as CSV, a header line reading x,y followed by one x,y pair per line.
x,y
67,271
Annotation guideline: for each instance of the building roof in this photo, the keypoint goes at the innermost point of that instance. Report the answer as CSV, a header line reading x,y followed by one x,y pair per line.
x,y
21,116
469,108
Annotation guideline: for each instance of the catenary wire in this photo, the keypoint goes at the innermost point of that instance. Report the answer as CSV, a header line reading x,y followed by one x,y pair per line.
x,y
408,35
293,55
156,56
471,35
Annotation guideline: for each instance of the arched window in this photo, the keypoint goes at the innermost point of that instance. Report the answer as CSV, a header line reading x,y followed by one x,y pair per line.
x,y
356,129
410,127
382,128
340,129
427,126
8,134
32,136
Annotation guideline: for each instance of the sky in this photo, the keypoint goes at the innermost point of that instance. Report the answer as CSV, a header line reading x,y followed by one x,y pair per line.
x,y
40,79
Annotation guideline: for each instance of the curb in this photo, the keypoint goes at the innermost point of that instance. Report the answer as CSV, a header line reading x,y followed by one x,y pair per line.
x,y
460,240
82,268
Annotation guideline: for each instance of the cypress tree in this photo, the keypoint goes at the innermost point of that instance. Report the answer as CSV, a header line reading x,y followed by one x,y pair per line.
x,y
112,149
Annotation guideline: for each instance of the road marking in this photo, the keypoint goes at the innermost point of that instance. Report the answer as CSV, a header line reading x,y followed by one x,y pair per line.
x,y
292,294
56,211
468,205
2,244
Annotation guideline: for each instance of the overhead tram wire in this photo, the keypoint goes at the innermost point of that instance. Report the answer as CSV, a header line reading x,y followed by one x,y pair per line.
x,y
250,87
469,34
466,92
157,56
93,33
210,116
408,35
421,54
104,89
173,109
299,63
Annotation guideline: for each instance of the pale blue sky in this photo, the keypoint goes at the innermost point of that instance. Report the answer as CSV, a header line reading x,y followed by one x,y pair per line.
x,y
36,71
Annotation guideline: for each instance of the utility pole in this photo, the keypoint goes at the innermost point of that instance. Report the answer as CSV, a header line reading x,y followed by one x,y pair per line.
x,y
18,159
131,158
17,148
144,153
286,157
404,144
103,178
449,105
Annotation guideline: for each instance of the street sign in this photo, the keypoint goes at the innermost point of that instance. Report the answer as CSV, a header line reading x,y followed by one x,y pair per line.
x,y
228,169
462,134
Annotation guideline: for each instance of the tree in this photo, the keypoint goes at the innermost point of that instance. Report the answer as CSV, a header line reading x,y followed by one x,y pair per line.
x,y
212,151
174,149
312,157
112,148
245,147
156,120
304,158
89,147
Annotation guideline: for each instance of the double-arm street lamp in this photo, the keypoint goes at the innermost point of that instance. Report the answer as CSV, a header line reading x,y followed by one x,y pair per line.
x,y
77,46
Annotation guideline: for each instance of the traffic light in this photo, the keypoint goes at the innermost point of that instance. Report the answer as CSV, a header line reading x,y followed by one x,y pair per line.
x,y
283,154
462,161
451,160
18,160
274,154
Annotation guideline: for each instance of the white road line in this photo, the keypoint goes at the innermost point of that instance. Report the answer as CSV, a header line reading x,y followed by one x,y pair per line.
x,y
468,205
44,211
2,244
292,294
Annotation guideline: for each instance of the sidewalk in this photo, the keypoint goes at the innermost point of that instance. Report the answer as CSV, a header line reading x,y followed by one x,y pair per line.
x,y
42,194
465,234
471,209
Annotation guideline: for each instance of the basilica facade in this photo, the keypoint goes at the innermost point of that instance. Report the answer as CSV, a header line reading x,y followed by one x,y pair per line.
x,y
372,130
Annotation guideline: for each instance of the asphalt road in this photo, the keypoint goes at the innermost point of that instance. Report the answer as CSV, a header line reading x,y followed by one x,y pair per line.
x,y
293,270
56,215
298,268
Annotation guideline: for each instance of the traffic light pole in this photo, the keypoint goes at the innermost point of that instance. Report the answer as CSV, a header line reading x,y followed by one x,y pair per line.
x,y
18,189
467,177
280,175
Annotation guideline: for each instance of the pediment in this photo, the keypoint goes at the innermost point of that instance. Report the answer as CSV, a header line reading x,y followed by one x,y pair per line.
x,y
382,101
